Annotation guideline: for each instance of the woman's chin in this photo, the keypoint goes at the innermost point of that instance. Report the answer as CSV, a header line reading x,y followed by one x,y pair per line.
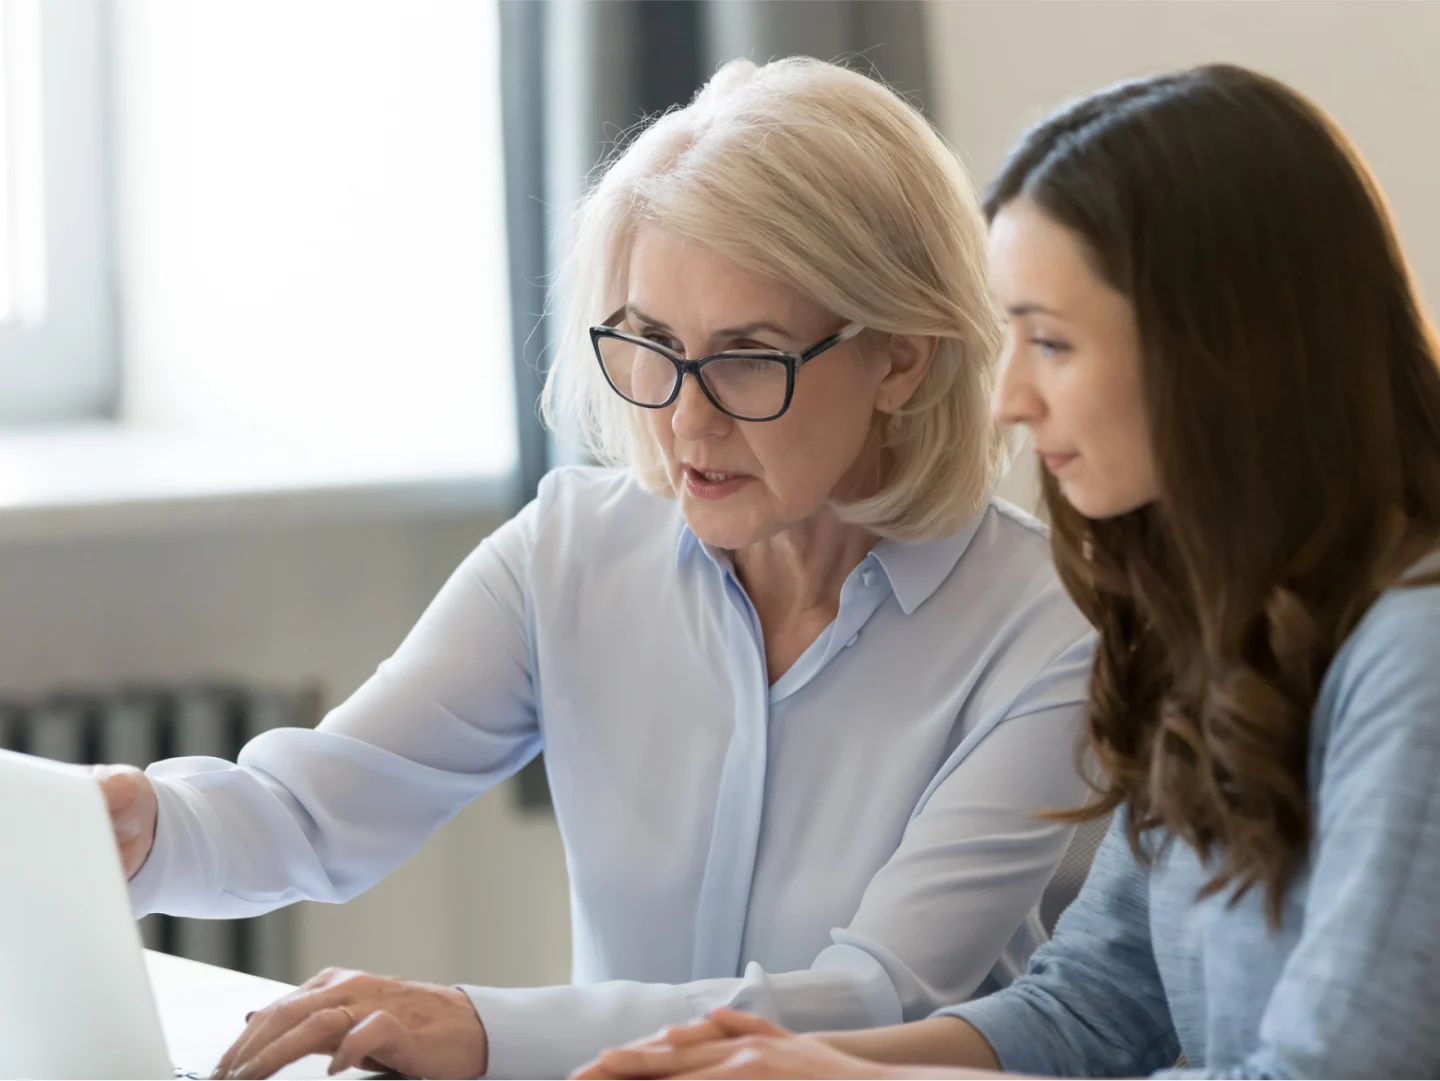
x,y
718,534
1098,505
720,524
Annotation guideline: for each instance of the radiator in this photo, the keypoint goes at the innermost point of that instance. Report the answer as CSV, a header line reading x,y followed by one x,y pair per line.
x,y
140,725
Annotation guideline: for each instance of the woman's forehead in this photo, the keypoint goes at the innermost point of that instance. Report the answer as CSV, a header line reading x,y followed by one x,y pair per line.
x,y
1038,265
674,281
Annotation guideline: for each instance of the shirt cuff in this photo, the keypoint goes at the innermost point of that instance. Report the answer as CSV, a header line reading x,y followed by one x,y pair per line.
x,y
550,1031
172,878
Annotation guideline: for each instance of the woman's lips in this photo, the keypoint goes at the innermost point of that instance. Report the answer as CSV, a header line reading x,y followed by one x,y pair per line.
x,y
1057,462
713,484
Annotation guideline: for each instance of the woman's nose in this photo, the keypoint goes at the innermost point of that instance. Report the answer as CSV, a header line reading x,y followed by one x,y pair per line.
x,y
695,416
1015,399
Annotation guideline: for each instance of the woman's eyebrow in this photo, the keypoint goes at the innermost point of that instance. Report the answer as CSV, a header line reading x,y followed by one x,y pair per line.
x,y
638,314
747,329
1030,308
744,330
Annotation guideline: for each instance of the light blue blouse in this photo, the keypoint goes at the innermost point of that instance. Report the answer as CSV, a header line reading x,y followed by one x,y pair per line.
x,y
1349,986
853,845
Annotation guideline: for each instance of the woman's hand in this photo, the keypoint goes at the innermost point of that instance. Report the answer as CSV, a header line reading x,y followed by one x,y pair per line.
x,y
728,1044
130,799
721,1024
375,1022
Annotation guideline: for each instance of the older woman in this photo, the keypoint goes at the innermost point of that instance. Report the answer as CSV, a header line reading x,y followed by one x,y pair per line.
x,y
801,683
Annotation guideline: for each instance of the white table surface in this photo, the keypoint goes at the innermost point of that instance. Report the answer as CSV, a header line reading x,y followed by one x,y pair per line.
x,y
202,1010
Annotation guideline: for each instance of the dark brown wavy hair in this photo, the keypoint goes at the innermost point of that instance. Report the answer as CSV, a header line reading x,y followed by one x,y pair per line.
x,y
1292,382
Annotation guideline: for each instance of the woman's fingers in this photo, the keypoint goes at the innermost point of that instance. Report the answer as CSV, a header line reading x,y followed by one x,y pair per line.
x,y
320,1033
371,1038
592,1071
788,1057
738,1023
663,1060
264,1027
687,1035
720,1024
702,1031
378,1022
247,1041
745,1061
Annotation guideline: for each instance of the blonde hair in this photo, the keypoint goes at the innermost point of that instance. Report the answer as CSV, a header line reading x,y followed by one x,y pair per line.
x,y
818,177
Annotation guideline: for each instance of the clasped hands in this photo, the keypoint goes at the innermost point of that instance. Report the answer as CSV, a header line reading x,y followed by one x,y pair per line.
x,y
728,1043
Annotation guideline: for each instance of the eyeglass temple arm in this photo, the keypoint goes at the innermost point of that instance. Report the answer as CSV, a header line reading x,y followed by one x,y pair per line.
x,y
844,334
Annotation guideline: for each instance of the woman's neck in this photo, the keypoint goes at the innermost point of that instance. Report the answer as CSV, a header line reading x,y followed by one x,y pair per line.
x,y
794,580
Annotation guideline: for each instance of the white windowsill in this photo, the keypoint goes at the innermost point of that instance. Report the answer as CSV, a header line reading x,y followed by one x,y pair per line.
x,y
108,478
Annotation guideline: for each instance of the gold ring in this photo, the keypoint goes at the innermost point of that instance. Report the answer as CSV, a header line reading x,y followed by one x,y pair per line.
x,y
346,1011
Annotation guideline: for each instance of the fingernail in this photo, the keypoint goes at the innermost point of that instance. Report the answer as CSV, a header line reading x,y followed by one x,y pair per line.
x,y
336,1065
249,1015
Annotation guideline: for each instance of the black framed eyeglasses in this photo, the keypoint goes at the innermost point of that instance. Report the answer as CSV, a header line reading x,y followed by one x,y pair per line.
x,y
747,384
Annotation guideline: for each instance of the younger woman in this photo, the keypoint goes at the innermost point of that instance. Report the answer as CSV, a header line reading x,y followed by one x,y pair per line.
x,y
1219,352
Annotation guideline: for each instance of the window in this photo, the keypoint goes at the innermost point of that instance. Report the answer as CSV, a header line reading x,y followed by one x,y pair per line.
x,y
57,320
312,227
308,267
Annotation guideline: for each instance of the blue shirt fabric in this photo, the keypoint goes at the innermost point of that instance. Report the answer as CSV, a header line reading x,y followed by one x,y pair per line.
x,y
805,849
1140,970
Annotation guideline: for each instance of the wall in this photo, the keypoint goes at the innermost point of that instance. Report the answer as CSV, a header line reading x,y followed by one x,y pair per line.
x,y
290,602
998,67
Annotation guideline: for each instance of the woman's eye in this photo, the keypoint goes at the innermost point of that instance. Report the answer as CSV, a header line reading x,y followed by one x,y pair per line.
x,y
664,341
755,364
1050,347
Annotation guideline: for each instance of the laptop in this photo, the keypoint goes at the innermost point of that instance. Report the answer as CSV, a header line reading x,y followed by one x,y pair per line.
x,y
75,998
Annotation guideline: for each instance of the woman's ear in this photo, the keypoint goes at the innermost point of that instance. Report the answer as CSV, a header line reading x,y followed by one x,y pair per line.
x,y
910,357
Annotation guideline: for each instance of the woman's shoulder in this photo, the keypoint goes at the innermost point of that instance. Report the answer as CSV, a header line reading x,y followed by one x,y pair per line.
x,y
591,485
1004,580
1011,548
1387,672
1401,631
584,514
582,497
1021,528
